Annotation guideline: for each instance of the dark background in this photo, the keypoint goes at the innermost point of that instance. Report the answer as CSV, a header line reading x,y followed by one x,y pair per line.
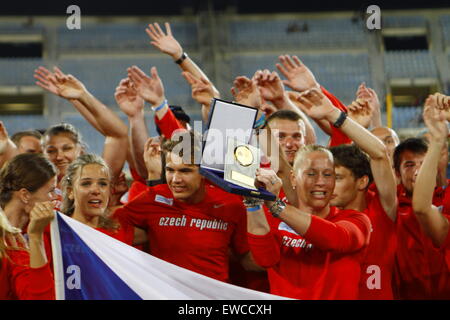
x,y
177,7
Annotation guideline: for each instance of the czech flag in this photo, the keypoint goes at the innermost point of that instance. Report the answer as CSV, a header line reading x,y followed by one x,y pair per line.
x,y
90,265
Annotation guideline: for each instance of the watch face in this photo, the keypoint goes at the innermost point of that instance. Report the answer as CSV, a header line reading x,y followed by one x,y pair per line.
x,y
243,155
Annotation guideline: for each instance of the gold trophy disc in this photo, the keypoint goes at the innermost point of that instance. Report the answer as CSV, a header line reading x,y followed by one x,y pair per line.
x,y
243,155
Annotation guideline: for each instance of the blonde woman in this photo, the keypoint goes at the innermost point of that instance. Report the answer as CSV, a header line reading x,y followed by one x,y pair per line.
x,y
86,194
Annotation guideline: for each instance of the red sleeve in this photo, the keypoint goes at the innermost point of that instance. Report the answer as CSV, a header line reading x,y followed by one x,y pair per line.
x,y
135,211
346,235
31,283
136,176
136,189
337,136
168,124
265,249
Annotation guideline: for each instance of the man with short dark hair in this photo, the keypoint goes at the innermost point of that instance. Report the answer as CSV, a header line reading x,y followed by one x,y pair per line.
x,y
419,267
190,222
290,130
354,190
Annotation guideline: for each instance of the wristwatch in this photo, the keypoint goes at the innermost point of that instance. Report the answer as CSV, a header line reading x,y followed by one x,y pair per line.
x,y
277,208
340,120
182,58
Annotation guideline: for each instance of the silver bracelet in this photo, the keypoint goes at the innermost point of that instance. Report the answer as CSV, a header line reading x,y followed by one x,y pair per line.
x,y
252,202
277,208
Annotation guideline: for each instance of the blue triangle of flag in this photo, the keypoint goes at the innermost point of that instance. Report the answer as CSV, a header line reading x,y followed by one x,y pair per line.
x,y
86,276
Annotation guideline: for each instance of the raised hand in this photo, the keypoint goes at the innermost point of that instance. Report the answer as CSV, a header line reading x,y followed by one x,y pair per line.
x,y
46,80
435,120
65,86
269,84
202,89
316,105
166,43
369,95
4,137
268,179
361,111
151,88
298,75
128,99
267,108
152,158
443,103
40,216
245,91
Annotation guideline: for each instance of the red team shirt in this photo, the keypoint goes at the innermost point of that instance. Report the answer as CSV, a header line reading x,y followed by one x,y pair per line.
x,y
20,282
421,270
168,124
446,212
324,264
378,263
196,237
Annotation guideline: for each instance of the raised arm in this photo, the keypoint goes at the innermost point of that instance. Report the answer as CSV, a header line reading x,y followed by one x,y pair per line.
x,y
434,224
202,92
133,106
369,95
151,89
322,108
47,80
167,44
443,104
152,158
348,235
299,78
361,112
272,89
8,149
106,121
